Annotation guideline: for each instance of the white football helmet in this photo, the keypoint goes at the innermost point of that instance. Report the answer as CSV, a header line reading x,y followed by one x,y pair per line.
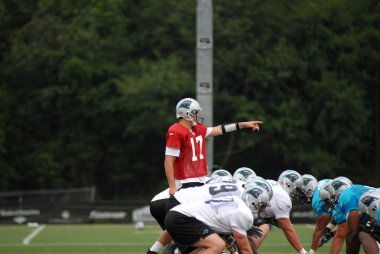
x,y
338,185
243,174
221,173
309,183
263,183
189,109
256,198
369,203
325,194
329,192
322,182
289,180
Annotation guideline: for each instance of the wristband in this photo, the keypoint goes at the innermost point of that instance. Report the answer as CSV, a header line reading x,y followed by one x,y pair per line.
x,y
311,251
230,127
330,226
303,251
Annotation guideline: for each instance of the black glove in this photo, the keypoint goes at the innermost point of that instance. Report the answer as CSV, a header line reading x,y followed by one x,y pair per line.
x,y
255,232
327,235
170,249
230,240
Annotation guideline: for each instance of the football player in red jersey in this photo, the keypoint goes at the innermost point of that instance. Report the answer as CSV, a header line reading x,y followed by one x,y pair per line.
x,y
185,155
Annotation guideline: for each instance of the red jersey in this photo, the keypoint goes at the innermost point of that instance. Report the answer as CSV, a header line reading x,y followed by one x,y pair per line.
x,y
192,144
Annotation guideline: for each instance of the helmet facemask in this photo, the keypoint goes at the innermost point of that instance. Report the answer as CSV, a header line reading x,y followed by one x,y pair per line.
x,y
260,209
263,214
334,203
195,118
300,196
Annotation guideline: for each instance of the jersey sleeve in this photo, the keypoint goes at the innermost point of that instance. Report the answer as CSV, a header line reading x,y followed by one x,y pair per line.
x,y
282,207
338,217
241,221
318,206
208,131
173,139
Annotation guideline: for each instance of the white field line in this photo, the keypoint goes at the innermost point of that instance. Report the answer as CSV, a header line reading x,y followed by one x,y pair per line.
x,y
35,232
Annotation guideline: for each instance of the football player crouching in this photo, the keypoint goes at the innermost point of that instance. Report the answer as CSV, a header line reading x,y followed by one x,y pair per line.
x,y
277,213
197,225
342,196
369,235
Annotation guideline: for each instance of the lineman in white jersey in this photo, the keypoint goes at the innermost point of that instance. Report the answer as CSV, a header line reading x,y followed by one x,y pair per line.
x,y
278,211
196,225
215,187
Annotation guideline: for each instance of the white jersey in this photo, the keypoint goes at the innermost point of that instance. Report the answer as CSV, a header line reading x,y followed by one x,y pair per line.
x,y
209,191
280,205
162,195
221,214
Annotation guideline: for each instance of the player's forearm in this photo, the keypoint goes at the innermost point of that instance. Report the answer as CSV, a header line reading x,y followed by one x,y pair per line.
x,y
322,221
244,247
336,244
353,229
224,128
169,171
242,243
253,245
352,243
293,239
231,127
318,232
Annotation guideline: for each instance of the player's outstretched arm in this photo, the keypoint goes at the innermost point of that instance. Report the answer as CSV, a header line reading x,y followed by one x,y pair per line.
x,y
353,228
320,225
291,234
226,128
339,237
242,243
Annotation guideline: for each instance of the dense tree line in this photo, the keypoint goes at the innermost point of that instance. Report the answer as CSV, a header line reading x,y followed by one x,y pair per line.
x,y
88,89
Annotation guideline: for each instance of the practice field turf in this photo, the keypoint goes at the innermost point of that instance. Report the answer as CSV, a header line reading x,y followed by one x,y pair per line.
x,y
110,239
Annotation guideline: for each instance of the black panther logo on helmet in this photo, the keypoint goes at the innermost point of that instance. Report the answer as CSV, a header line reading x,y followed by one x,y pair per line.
x,y
256,192
337,184
293,177
306,181
368,200
185,104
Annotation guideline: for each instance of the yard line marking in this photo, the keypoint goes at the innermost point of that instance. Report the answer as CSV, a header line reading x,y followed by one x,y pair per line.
x,y
35,232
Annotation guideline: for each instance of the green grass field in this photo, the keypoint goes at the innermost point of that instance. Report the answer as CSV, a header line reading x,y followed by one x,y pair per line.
x,y
115,238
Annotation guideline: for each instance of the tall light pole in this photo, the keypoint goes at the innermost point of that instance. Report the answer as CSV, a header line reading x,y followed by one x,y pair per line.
x,y
204,87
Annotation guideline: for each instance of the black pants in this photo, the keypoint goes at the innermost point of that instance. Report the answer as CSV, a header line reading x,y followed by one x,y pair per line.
x,y
158,211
